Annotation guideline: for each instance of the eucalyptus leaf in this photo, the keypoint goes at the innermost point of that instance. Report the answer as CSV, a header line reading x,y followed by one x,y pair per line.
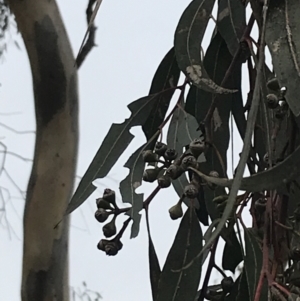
x,y
187,42
232,254
112,147
253,262
239,290
128,186
175,283
182,130
165,79
283,40
231,23
154,266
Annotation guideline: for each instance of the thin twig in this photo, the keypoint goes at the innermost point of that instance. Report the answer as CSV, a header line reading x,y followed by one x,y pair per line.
x,y
16,131
209,270
89,38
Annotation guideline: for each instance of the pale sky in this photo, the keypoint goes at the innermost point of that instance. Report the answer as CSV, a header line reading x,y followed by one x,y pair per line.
x,y
133,36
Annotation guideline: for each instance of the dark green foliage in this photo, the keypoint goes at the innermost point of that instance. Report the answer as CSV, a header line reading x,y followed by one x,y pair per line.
x,y
177,284
232,255
231,23
267,121
165,78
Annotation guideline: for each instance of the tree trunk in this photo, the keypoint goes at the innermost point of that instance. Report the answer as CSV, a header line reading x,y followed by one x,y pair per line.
x,y
45,254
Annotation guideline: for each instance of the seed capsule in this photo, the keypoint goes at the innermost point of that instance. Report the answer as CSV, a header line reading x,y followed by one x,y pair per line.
x,y
260,205
110,196
176,211
160,148
295,254
273,84
191,191
110,247
197,147
174,171
164,181
272,101
170,154
151,174
101,215
149,156
101,203
227,284
189,161
110,228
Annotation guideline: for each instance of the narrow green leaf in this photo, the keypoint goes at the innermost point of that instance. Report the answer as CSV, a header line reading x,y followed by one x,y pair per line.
x,y
231,23
182,130
154,266
112,147
187,42
242,289
166,77
128,186
176,284
252,262
283,40
232,254
155,271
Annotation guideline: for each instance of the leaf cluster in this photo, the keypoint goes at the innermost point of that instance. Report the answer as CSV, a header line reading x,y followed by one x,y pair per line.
x,y
260,262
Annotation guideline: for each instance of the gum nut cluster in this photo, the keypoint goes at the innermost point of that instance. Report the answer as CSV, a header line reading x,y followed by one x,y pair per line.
x,y
107,206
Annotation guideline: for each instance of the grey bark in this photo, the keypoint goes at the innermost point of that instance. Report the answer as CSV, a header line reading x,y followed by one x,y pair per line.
x,y
45,253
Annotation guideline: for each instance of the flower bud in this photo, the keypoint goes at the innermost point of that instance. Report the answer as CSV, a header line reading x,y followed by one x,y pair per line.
x,y
110,196
110,228
160,148
176,211
101,215
227,284
149,156
174,171
170,154
197,147
101,203
151,174
189,161
164,181
191,191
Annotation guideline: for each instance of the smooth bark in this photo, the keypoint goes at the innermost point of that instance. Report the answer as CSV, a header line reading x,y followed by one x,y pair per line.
x,y
45,254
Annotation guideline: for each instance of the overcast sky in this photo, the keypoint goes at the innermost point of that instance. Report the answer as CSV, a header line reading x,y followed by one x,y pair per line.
x,y
132,37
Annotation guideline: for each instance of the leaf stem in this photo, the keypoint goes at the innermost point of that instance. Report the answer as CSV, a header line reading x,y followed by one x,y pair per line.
x,y
211,264
150,197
